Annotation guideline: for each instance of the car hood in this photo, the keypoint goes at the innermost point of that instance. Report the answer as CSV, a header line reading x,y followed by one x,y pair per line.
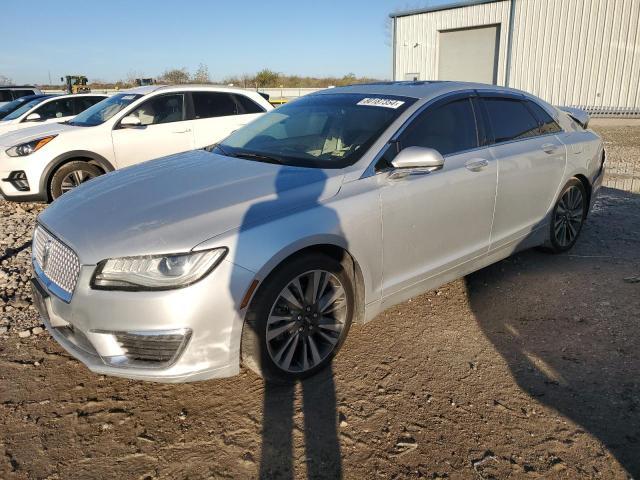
x,y
32,133
172,204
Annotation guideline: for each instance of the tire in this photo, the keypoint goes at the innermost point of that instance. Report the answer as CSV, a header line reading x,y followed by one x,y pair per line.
x,y
70,175
286,339
567,217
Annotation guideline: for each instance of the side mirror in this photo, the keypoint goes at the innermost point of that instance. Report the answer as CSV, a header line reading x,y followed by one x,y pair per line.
x,y
33,117
416,161
130,121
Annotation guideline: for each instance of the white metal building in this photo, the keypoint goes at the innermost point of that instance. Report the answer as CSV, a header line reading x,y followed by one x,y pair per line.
x,y
568,52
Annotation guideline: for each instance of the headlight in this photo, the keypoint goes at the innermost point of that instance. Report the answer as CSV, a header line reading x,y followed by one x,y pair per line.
x,y
157,272
28,148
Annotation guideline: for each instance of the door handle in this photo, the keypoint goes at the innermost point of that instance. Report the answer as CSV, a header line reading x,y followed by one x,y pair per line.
x,y
477,164
182,131
549,148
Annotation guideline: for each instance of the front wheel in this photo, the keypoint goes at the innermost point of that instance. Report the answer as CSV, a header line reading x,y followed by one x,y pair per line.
x,y
568,217
298,319
70,175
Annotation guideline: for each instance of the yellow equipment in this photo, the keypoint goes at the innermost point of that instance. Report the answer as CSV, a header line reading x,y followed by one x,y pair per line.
x,y
76,83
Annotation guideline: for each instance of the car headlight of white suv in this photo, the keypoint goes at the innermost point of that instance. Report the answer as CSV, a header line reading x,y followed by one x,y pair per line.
x,y
156,272
27,148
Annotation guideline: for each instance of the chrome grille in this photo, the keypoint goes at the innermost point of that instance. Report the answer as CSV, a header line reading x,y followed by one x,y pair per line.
x,y
57,261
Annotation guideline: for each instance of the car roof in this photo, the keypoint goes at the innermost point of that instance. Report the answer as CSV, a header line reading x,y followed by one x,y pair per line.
x,y
414,89
28,98
78,95
182,87
5,87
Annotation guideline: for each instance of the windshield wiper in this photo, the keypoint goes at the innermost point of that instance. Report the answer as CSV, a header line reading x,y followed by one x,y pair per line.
x,y
257,156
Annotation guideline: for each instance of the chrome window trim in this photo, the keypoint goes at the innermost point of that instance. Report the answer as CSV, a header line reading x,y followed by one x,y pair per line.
x,y
370,170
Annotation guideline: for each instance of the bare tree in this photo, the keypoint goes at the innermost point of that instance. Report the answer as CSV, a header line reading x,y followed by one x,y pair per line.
x,y
201,75
4,80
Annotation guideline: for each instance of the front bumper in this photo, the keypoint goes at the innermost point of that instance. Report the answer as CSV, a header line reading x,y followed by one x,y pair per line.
x,y
29,169
208,310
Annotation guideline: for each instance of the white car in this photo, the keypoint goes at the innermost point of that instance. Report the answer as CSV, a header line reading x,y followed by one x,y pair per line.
x,y
127,128
48,109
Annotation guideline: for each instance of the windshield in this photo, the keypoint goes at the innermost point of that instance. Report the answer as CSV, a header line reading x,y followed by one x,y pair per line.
x,y
7,108
321,131
104,110
23,109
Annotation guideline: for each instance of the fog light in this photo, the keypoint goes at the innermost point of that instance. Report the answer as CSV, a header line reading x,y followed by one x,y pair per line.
x,y
18,179
143,349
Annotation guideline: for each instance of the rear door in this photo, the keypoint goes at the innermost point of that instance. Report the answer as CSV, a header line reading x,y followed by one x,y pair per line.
x,y
432,223
164,130
217,114
531,162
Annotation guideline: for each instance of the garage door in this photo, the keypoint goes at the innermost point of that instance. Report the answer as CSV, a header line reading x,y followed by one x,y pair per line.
x,y
470,54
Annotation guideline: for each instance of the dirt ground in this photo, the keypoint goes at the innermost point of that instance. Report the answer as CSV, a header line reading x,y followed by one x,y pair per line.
x,y
526,369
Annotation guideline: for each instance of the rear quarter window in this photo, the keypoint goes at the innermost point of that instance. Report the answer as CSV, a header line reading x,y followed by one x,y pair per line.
x,y
547,124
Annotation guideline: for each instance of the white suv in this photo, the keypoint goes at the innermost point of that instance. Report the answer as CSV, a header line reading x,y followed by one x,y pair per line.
x,y
43,162
48,109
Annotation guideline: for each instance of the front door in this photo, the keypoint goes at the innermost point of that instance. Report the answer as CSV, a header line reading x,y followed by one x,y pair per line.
x,y
434,222
163,131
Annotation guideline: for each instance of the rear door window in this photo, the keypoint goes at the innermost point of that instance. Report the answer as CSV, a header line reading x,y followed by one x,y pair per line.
x,y
5,96
510,119
545,121
213,104
448,128
22,93
80,104
56,109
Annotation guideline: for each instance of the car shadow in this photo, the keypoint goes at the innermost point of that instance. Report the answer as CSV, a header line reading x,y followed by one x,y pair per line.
x,y
318,393
569,330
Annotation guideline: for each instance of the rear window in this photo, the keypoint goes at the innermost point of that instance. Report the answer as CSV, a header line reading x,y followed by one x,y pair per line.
x,y
246,105
22,93
510,119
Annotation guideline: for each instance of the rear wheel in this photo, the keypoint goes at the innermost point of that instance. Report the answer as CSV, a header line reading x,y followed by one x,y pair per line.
x,y
298,319
568,217
70,175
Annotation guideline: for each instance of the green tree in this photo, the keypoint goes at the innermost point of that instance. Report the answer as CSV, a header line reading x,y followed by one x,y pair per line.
x,y
175,75
266,78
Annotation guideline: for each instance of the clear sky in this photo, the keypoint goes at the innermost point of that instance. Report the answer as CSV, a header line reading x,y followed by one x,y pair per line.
x,y
108,39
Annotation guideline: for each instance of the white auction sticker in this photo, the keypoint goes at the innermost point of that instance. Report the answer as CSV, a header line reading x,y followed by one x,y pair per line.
x,y
128,97
381,102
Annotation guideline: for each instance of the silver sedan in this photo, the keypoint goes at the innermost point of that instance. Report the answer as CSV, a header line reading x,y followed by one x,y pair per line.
x,y
265,248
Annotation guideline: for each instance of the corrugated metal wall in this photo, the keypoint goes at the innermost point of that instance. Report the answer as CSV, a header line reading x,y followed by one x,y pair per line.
x,y
569,52
416,37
